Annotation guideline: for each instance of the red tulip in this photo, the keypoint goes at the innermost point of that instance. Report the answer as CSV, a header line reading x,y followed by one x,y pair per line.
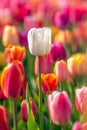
x,y
13,81
4,119
24,109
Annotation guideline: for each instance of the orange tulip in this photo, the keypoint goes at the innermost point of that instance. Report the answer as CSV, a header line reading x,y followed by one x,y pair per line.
x,y
49,82
15,53
13,81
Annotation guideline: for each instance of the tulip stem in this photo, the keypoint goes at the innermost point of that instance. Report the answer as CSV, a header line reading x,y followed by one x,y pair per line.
x,y
40,96
51,125
15,115
60,87
62,127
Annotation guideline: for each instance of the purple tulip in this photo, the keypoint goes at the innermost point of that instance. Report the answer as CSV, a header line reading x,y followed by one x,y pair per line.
x,y
58,52
23,38
62,19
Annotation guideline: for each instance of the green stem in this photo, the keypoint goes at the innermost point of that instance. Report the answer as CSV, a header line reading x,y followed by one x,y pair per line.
x,y
62,127
51,125
60,87
14,115
40,96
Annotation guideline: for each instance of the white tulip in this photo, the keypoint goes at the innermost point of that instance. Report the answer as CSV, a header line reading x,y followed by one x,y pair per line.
x,y
39,41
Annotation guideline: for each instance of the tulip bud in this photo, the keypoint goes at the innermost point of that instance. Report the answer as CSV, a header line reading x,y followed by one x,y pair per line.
x,y
60,107
49,82
81,100
13,81
10,36
77,126
58,52
60,69
39,41
24,109
15,53
4,119
44,61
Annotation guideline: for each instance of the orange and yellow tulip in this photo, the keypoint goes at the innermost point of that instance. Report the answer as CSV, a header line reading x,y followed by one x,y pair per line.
x,y
15,53
49,82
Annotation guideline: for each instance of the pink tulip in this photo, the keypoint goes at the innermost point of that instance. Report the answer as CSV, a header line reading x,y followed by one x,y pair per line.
x,y
5,16
60,107
60,69
77,126
32,22
45,64
81,100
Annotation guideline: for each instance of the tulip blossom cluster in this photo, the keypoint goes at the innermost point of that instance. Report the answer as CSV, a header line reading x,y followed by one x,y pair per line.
x,y
43,45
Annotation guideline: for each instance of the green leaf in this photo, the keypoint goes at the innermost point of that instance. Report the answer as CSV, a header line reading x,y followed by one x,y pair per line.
x,y
32,125
68,126
46,123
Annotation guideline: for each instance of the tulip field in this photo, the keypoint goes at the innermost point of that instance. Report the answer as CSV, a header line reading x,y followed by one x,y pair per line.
x,y
43,65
